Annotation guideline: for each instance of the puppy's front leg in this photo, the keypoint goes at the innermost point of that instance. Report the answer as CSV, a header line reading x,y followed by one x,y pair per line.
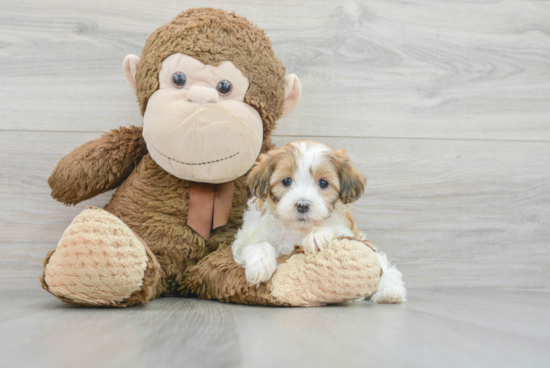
x,y
318,238
260,262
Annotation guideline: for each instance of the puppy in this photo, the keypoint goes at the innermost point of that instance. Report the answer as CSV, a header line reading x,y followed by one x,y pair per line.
x,y
302,195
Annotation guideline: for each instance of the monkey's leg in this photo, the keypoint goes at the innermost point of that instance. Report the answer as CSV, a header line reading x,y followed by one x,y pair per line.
x,y
346,270
100,261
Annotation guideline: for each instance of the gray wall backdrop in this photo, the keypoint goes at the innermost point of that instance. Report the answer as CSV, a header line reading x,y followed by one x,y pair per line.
x,y
444,105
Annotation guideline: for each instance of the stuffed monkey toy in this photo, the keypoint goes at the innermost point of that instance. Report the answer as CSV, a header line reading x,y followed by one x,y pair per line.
x,y
210,89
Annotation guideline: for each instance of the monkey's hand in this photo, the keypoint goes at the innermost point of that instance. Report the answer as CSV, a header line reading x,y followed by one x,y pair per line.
x,y
97,166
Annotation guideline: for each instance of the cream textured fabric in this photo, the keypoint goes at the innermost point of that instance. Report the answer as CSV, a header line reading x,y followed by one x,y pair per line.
x,y
98,261
343,271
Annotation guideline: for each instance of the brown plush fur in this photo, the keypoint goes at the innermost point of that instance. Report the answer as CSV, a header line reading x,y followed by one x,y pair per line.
x,y
97,166
222,279
155,204
213,36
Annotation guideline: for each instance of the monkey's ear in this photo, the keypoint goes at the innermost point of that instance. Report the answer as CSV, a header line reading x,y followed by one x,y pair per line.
x,y
293,92
130,66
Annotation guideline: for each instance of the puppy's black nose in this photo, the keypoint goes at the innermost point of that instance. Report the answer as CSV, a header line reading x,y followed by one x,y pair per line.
x,y
302,207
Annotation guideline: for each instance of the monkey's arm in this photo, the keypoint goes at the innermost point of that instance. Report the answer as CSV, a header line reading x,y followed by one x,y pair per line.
x,y
97,166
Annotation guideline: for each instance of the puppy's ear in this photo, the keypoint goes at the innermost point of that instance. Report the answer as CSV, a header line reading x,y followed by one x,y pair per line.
x,y
352,182
259,177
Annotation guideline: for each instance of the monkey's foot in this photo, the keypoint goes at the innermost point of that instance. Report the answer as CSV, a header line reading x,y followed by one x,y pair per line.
x,y
343,271
99,261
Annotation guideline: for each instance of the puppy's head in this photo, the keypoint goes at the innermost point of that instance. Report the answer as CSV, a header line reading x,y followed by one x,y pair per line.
x,y
303,182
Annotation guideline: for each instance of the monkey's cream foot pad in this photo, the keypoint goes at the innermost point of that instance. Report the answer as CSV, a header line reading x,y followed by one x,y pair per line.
x,y
346,270
98,261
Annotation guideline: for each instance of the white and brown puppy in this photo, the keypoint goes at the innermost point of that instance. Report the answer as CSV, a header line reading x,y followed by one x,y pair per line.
x,y
302,195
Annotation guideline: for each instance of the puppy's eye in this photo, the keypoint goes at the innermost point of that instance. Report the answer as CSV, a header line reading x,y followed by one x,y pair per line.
x,y
179,79
224,87
287,182
323,183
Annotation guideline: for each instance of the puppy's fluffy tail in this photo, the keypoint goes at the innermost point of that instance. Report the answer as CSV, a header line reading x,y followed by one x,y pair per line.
x,y
391,288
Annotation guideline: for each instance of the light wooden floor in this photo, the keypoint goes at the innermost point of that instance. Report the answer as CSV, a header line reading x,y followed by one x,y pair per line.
x,y
435,328
444,105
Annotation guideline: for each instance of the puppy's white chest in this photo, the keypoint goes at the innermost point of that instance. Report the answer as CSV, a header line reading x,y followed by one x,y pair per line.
x,y
287,241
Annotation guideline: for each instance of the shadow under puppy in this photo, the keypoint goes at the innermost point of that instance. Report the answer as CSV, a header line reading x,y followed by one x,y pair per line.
x,y
302,195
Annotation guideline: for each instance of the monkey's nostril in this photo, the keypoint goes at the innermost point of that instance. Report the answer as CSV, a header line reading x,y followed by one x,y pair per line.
x,y
302,207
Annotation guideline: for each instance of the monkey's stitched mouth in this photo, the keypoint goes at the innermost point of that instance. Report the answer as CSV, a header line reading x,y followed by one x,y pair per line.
x,y
196,164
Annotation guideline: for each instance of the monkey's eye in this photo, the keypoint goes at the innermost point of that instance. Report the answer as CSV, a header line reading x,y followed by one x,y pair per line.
x,y
287,182
224,87
323,183
179,79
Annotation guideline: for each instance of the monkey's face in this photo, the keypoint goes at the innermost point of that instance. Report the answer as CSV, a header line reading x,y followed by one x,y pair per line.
x,y
197,125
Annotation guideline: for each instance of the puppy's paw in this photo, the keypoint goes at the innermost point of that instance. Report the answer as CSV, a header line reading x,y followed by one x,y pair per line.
x,y
318,239
260,262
